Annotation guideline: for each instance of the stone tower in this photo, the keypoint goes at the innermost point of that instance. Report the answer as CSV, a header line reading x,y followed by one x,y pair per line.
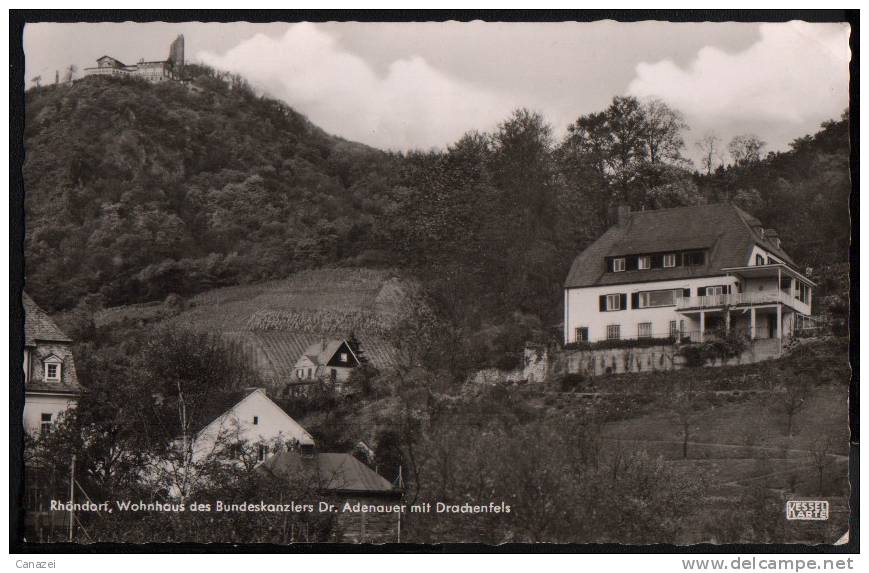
x,y
176,56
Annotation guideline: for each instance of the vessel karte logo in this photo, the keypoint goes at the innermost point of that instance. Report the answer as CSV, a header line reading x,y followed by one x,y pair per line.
x,y
810,510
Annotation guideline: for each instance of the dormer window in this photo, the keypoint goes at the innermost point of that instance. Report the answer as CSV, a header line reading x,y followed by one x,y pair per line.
x,y
758,260
343,357
644,262
53,366
669,260
618,265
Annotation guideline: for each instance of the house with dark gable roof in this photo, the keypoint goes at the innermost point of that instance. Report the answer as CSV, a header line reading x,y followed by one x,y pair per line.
x,y
331,360
50,382
681,274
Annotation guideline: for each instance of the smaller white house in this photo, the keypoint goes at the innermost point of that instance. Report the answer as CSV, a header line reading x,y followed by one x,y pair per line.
x,y
331,360
251,418
50,383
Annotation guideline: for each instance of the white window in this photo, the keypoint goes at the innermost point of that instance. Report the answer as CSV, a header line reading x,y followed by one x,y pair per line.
x,y
618,265
714,290
644,263
343,357
613,332
613,302
52,369
654,298
644,330
669,260
582,334
45,424
674,329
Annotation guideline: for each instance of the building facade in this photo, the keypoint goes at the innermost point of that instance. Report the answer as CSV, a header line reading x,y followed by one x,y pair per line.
x,y
152,71
50,383
328,360
251,417
683,274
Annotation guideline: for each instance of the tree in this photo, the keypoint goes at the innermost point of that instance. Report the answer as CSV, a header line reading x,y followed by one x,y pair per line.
x,y
710,149
820,448
686,410
663,133
792,398
746,149
37,80
70,73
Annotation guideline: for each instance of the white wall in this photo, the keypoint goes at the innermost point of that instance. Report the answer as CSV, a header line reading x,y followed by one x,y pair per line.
x,y
37,404
583,310
272,422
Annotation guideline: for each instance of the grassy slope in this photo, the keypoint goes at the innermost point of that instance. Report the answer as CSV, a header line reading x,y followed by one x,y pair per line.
x,y
277,320
738,442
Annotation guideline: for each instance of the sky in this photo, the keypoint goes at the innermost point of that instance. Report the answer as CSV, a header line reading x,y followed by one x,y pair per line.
x,y
422,85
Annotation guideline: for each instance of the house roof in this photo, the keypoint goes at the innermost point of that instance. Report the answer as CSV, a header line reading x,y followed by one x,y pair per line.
x,y
321,352
335,472
219,406
725,231
38,325
226,402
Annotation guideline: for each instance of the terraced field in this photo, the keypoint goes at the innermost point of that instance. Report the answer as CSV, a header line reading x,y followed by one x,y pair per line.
x,y
277,320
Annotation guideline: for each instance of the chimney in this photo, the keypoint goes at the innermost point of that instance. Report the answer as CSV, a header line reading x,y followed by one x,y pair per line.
x,y
622,213
772,236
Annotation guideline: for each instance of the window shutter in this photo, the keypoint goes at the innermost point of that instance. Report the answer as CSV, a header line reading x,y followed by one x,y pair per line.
x,y
727,289
686,292
602,302
635,300
701,291
609,265
624,301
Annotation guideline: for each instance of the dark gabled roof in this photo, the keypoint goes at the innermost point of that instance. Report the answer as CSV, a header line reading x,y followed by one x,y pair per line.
x,y
725,231
335,472
218,406
38,325
320,353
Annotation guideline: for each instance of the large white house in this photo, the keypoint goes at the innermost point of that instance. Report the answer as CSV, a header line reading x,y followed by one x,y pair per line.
x,y
50,382
250,417
682,273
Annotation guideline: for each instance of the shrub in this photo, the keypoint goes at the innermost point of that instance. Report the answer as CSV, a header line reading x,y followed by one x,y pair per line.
x,y
571,382
621,343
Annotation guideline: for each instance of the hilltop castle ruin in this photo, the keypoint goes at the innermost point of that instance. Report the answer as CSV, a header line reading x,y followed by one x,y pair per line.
x,y
157,71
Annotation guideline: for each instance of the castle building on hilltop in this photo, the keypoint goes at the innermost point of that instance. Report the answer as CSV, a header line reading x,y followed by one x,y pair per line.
x,y
156,71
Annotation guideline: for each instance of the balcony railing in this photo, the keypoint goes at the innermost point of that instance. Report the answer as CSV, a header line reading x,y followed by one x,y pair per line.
x,y
738,299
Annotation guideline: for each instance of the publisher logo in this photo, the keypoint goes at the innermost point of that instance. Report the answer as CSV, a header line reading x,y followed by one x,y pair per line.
x,y
808,510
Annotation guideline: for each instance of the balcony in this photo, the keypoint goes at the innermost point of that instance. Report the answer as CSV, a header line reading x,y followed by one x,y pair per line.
x,y
718,301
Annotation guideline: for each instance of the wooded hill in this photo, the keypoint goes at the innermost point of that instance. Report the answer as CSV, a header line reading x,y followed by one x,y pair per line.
x,y
136,191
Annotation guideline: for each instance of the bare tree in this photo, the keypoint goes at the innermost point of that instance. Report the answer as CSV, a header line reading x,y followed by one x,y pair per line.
x,y
37,80
820,449
793,397
710,146
746,149
686,411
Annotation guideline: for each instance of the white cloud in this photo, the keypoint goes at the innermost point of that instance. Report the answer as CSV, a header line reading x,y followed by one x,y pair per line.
x,y
796,73
414,105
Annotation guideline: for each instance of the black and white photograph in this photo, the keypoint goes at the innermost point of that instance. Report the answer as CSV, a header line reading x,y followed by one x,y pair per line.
x,y
346,282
